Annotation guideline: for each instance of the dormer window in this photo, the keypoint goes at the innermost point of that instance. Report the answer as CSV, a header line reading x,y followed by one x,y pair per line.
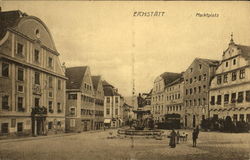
x,y
226,64
200,66
191,69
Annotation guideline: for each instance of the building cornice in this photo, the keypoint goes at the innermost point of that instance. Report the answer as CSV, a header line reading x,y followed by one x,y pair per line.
x,y
232,85
232,70
230,58
31,66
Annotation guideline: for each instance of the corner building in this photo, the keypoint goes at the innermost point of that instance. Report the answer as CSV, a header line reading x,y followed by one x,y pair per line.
x,y
99,101
113,106
158,101
197,79
80,103
32,81
230,88
174,99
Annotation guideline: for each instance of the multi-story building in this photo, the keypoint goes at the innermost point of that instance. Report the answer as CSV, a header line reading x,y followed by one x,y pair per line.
x,y
32,80
197,79
230,88
99,101
113,104
80,100
174,99
158,94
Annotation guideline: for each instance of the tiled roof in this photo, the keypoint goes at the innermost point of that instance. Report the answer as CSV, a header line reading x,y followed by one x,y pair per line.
x,y
178,80
75,77
108,91
9,19
208,61
245,51
95,81
170,77
105,83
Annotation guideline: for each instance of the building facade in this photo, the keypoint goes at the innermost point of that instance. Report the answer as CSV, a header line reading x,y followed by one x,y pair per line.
x,y
113,103
80,103
174,99
99,101
197,79
158,95
32,80
230,88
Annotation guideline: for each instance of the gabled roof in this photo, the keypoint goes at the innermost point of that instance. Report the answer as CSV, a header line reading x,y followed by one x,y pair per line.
x,y
75,77
178,80
208,61
95,81
245,51
106,84
170,77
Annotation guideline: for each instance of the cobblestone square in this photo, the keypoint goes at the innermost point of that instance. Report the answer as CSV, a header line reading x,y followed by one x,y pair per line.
x,y
96,146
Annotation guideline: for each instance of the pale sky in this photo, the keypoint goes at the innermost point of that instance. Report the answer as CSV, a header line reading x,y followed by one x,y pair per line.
x,y
100,35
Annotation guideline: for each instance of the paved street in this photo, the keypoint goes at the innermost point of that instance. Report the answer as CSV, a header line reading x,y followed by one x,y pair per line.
x,y
95,145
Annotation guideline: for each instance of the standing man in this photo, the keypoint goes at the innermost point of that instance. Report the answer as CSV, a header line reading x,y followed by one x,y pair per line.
x,y
195,136
172,142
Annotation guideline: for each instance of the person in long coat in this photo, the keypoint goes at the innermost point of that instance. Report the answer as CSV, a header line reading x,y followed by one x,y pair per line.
x,y
172,142
195,136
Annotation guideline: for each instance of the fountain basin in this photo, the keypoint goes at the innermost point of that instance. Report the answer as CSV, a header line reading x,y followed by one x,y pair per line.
x,y
131,132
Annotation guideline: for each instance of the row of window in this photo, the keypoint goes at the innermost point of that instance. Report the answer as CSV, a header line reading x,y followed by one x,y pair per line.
x,y
87,87
20,52
172,88
195,79
87,112
174,108
20,76
158,98
234,99
200,67
174,97
20,126
233,76
234,62
195,90
196,102
116,100
99,102
21,107
108,111
5,127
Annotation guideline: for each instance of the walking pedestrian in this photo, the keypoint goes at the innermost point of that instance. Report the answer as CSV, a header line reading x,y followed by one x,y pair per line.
x,y
172,142
195,136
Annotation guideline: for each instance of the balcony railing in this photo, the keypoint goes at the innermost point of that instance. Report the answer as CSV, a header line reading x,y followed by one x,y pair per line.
x,y
39,110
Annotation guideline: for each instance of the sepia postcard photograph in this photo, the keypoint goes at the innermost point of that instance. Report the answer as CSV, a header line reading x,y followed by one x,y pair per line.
x,y
124,80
